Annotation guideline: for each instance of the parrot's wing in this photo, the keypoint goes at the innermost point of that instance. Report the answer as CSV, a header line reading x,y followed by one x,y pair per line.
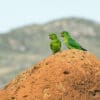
x,y
51,45
73,43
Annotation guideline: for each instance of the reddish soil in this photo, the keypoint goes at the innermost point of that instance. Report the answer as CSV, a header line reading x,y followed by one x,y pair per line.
x,y
67,75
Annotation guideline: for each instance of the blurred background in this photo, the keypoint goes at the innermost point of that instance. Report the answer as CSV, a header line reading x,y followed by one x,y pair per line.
x,y
25,25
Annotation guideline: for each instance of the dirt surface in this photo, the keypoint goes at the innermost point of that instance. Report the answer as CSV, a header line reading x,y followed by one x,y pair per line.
x,y
67,75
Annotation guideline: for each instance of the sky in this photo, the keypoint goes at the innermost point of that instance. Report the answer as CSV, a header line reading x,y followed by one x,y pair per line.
x,y
16,13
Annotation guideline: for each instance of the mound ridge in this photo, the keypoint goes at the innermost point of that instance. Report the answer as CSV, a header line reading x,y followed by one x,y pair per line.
x,y
67,75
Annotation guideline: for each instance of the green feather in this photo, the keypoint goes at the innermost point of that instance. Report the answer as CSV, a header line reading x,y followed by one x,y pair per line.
x,y
55,44
70,42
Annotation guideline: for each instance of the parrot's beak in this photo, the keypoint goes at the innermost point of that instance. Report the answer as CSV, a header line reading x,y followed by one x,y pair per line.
x,y
49,36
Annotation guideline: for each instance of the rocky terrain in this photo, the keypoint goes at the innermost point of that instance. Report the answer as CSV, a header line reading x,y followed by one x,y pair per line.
x,y
67,75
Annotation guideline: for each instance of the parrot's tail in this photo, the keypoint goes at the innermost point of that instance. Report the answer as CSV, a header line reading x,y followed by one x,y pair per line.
x,y
84,49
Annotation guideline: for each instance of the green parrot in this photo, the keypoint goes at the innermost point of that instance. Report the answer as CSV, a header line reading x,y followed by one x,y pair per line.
x,y
70,42
55,43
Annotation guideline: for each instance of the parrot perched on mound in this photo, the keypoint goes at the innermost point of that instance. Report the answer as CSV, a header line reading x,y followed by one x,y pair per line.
x,y
70,42
55,43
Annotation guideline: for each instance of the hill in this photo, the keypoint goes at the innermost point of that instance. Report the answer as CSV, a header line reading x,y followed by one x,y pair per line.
x,y
67,75
26,45
24,39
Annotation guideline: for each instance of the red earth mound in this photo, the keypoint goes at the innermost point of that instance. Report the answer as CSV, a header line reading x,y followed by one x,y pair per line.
x,y
67,75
